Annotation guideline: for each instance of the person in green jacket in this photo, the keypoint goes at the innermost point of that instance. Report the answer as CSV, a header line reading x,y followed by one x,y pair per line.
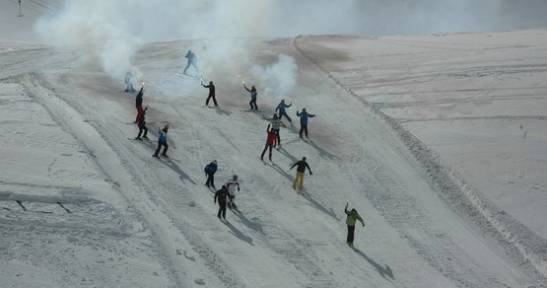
x,y
352,217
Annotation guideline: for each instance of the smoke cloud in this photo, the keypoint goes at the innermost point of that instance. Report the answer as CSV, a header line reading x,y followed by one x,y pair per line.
x,y
278,79
113,31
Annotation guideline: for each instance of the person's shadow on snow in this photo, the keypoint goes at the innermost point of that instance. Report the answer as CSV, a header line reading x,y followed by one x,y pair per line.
x,y
176,168
288,155
318,205
279,170
239,234
303,192
255,225
322,152
222,112
170,163
383,271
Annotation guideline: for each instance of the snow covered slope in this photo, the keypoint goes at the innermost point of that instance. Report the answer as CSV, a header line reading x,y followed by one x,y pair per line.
x,y
477,100
136,221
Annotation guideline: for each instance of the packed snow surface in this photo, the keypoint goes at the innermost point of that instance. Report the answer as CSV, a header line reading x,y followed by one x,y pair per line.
x,y
437,142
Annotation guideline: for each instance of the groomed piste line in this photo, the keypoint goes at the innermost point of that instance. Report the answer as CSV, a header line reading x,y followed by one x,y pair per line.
x,y
518,240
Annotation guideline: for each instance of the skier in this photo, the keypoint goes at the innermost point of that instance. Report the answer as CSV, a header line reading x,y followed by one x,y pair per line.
x,y
300,171
253,96
210,171
141,122
129,83
162,141
281,109
231,186
276,124
223,197
270,142
192,61
352,217
304,118
138,103
211,87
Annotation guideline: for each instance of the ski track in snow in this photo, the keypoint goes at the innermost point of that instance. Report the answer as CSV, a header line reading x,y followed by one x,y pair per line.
x,y
296,254
402,212
72,121
168,196
518,241
223,271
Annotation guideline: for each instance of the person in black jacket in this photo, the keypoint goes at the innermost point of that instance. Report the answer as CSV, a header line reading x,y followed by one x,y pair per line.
x,y
300,170
222,195
210,171
141,122
211,87
254,93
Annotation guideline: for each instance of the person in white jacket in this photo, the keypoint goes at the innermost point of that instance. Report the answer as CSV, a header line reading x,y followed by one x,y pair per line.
x,y
231,186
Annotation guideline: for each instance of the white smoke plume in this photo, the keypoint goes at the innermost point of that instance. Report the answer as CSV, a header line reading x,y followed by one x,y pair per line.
x,y
114,30
97,32
278,79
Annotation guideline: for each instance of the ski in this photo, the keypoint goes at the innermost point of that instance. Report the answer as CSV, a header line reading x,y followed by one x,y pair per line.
x,y
142,140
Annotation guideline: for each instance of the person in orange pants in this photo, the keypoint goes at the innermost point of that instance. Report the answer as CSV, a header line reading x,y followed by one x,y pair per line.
x,y
301,166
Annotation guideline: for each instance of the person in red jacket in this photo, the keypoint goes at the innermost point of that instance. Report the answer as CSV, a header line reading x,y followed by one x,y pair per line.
x,y
138,104
270,141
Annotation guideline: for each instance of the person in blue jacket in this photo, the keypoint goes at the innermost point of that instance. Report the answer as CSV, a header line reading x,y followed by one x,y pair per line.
x,y
162,141
304,118
210,171
192,61
282,110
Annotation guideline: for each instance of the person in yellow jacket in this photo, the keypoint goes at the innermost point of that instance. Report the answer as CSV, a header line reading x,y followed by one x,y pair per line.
x,y
352,217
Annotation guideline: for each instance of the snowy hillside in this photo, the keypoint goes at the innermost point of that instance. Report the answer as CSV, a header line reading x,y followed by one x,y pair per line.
x,y
81,205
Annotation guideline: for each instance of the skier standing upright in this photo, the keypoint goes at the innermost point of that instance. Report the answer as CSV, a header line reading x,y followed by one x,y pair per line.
x,y
222,196
282,110
304,119
276,125
253,92
270,142
210,171
301,166
351,219
141,122
129,83
231,186
211,87
162,142
192,60
138,103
